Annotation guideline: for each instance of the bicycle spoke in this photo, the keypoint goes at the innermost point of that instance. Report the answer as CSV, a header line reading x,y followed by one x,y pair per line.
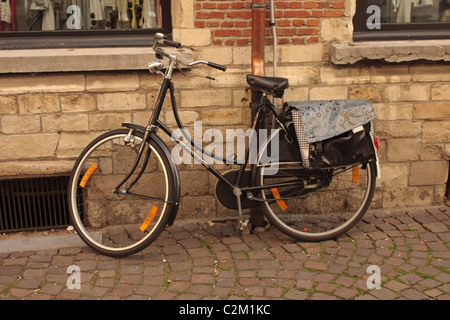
x,y
325,204
120,222
147,197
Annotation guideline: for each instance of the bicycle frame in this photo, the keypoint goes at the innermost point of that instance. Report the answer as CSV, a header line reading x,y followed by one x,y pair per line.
x,y
236,189
192,147
154,124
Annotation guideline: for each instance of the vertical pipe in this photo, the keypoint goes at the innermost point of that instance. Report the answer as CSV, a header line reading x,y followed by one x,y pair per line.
x,y
258,69
275,38
258,36
275,51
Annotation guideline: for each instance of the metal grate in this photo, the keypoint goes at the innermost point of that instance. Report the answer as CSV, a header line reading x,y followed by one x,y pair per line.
x,y
33,204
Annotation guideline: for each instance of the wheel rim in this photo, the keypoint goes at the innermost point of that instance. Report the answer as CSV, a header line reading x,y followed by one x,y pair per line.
x,y
106,230
310,215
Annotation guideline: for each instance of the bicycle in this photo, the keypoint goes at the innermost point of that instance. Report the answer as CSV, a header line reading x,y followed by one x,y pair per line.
x,y
125,187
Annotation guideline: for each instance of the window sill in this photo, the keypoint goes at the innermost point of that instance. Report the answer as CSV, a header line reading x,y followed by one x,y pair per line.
x,y
81,59
390,51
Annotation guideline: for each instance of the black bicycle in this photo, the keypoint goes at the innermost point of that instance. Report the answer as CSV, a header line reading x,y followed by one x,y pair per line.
x,y
125,186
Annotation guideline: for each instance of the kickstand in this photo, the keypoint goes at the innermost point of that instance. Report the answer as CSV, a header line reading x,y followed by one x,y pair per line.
x,y
242,224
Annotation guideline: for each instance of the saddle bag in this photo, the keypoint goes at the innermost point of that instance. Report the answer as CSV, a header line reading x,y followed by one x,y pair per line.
x,y
333,133
351,148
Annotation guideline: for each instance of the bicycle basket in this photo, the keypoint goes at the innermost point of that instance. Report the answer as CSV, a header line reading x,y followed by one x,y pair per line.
x,y
333,133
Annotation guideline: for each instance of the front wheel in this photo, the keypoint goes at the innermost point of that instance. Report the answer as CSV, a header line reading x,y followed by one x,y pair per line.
x,y
316,205
120,221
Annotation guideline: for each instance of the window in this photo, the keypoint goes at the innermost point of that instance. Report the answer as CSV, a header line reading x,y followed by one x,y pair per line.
x,y
402,19
81,23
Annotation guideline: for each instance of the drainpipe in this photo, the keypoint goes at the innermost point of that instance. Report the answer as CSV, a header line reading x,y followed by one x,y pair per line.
x,y
258,36
275,51
273,26
258,69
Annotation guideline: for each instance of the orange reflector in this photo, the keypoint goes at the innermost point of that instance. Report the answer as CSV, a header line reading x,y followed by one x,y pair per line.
x,y
87,175
280,203
355,174
149,219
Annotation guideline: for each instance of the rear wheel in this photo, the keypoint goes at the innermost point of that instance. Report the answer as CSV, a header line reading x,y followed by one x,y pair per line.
x,y
316,205
120,222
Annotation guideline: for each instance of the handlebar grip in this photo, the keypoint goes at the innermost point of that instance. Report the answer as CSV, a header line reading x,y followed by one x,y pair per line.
x,y
172,44
217,66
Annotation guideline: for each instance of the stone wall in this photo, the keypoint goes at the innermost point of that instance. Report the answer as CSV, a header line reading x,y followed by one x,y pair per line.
x,y
46,119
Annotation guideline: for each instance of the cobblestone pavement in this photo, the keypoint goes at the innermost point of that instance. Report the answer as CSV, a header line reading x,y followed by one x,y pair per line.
x,y
196,261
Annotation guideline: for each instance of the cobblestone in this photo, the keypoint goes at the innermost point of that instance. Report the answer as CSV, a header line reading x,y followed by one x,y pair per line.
x,y
197,261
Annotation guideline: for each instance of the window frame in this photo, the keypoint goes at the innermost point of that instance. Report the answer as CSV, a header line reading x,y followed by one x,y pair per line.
x,y
11,40
396,31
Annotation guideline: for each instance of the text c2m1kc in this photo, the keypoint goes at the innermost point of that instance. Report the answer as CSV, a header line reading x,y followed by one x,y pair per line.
x,y
233,309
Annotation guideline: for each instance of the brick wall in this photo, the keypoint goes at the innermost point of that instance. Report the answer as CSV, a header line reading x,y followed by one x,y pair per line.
x,y
46,120
414,116
298,22
57,114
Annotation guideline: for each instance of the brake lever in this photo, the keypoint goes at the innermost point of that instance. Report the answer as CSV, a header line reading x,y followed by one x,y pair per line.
x,y
196,75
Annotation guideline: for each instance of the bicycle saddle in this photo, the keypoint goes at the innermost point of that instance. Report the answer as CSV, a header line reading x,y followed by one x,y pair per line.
x,y
270,85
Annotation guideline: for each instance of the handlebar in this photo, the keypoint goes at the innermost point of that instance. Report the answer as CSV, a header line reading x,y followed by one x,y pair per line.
x,y
217,66
161,39
172,43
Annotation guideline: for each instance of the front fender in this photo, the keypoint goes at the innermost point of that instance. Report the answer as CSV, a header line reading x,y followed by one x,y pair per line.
x,y
173,168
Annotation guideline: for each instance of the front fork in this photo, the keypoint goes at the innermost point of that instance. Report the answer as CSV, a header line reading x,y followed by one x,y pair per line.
x,y
129,139
151,128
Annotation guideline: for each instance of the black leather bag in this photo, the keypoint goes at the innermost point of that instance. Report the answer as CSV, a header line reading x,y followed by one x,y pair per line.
x,y
348,149
333,133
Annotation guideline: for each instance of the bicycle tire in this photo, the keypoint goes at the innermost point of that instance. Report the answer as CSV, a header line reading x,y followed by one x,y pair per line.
x,y
113,223
320,213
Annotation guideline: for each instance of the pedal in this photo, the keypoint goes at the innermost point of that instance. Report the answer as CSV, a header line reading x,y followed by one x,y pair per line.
x,y
310,186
